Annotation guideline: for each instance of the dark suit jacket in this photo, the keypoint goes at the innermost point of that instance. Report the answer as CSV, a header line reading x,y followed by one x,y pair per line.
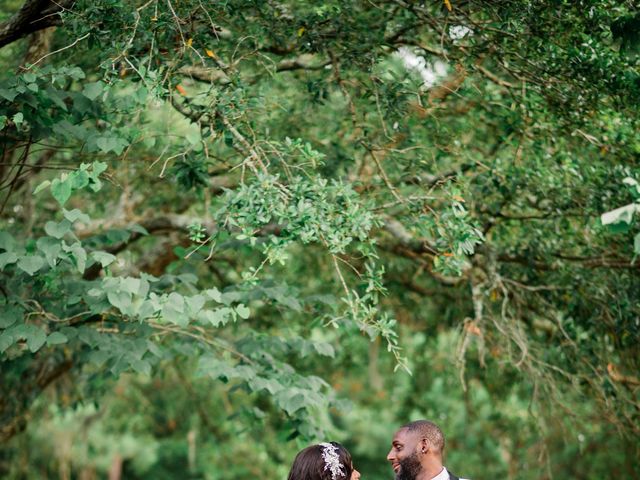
x,y
452,476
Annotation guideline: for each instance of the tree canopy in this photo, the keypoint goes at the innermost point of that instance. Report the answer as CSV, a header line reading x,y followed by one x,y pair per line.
x,y
229,229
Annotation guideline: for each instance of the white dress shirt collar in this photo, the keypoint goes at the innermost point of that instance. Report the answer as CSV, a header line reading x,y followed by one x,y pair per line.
x,y
443,475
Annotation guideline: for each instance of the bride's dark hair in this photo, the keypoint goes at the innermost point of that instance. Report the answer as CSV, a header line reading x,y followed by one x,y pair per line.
x,y
310,465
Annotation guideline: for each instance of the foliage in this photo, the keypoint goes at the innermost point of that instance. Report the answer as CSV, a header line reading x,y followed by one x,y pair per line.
x,y
226,212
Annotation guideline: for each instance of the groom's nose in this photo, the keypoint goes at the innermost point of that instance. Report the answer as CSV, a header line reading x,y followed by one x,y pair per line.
x,y
390,455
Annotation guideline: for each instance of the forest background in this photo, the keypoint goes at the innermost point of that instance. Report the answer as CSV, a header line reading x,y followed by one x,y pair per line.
x,y
231,229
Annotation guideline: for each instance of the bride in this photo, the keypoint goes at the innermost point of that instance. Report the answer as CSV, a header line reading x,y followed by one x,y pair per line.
x,y
324,461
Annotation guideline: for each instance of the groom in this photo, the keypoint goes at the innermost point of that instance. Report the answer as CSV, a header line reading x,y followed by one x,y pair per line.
x,y
416,452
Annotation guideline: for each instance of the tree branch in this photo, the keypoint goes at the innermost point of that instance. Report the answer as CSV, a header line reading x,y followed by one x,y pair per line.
x,y
400,233
34,15
216,75
595,262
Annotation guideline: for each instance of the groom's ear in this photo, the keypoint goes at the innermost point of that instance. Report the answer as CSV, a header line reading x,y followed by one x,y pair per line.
x,y
424,445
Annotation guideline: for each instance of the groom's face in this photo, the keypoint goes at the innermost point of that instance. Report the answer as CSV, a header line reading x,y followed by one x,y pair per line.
x,y
404,455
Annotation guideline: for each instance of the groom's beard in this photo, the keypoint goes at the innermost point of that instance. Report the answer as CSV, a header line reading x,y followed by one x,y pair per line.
x,y
409,468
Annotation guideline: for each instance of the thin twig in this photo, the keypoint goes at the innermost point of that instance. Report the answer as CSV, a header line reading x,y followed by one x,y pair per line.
x,y
57,51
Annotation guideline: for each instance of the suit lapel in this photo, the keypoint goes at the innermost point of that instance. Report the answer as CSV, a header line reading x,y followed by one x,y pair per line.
x,y
452,476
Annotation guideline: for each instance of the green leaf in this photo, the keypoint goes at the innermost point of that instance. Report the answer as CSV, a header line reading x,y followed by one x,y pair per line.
x,y
75,73
193,136
243,311
76,215
58,98
97,168
57,230
7,258
141,366
51,249
176,301
636,244
36,339
89,336
6,340
104,258
69,332
130,284
173,310
79,179
9,315
42,186
291,402
116,236
229,297
93,90
68,130
147,309
30,264
7,242
214,294
56,338
119,299
269,384
79,254
98,358
112,144
61,190
143,289
324,348
8,94
104,143
215,368
215,317
138,229
195,304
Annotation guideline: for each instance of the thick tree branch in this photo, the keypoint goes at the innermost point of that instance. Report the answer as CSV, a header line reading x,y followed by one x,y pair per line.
x,y
34,15
216,75
400,233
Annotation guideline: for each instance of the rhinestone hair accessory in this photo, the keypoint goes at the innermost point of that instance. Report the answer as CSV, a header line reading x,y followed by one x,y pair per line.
x,y
331,460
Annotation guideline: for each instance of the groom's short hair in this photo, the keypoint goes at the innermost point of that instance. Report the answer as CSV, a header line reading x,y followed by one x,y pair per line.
x,y
428,430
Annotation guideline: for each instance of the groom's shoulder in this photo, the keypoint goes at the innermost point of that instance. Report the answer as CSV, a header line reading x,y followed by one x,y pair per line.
x,y
454,477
